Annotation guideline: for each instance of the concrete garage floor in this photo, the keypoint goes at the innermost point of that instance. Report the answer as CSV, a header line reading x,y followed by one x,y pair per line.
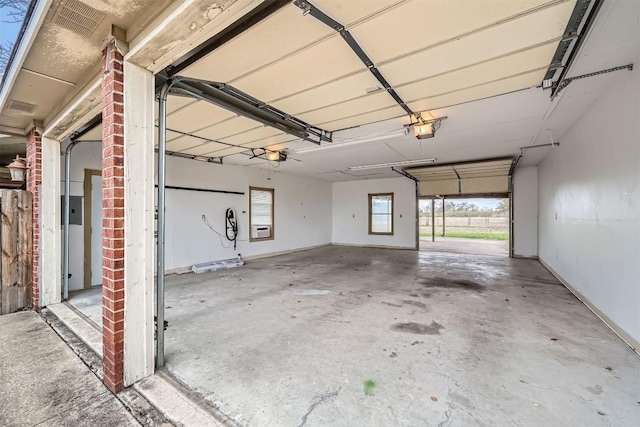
x,y
342,336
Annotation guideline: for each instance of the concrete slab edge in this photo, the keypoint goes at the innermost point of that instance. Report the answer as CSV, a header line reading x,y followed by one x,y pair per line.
x,y
82,327
628,339
141,409
88,355
180,405
352,245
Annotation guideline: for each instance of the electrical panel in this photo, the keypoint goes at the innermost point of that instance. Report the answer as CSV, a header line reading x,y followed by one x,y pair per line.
x,y
75,210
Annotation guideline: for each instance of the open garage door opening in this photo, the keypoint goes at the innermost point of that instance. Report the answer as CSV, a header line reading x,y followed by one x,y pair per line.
x,y
478,225
465,207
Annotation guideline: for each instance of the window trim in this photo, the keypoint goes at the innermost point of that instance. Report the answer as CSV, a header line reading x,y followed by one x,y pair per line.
x,y
375,233
273,215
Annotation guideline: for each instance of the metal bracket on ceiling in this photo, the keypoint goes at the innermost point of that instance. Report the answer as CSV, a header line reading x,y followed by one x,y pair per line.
x,y
459,179
405,174
309,9
564,83
232,99
570,34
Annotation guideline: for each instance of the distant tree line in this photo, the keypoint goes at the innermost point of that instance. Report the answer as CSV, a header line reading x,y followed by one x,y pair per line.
x,y
466,209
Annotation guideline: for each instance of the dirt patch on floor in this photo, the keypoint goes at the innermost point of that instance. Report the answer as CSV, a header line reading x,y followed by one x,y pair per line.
x,y
443,283
418,328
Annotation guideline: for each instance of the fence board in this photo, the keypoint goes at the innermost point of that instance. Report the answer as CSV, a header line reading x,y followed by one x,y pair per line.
x,y
17,251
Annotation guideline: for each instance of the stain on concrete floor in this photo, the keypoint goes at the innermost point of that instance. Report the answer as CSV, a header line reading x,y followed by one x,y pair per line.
x,y
444,283
418,328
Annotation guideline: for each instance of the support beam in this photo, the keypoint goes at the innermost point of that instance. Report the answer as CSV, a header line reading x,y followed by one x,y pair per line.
x,y
139,212
113,220
43,180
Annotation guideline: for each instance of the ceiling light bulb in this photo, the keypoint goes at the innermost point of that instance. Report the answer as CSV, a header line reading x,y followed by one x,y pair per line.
x,y
273,156
424,130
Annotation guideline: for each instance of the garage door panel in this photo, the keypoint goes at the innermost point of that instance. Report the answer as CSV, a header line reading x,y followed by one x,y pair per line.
x,y
493,184
228,128
522,62
253,135
227,151
306,69
348,12
496,41
446,20
196,116
510,84
370,117
431,188
273,38
373,102
328,94
205,148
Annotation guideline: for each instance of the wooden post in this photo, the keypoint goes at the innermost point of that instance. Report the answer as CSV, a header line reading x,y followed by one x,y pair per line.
x,y
17,250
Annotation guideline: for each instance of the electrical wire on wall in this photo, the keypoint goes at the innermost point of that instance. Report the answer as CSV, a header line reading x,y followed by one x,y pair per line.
x,y
231,234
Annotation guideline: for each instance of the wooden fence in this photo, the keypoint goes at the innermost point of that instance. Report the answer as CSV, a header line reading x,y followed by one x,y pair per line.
x,y
17,250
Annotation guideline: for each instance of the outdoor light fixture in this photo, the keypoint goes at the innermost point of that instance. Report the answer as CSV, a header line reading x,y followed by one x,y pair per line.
x,y
425,129
392,164
18,168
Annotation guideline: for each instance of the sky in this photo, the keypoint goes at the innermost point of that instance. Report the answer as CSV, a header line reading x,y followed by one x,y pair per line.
x,y
8,32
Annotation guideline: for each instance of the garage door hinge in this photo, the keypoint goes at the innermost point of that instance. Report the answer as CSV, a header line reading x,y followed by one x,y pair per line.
x,y
155,322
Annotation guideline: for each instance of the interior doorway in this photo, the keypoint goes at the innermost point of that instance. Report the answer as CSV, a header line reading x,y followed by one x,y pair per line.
x,y
474,225
93,228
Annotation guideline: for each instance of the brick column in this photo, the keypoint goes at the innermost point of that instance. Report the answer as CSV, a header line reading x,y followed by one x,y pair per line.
x,y
34,182
113,217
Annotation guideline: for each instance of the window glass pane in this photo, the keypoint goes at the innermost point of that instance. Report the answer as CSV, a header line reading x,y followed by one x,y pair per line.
x,y
261,214
381,213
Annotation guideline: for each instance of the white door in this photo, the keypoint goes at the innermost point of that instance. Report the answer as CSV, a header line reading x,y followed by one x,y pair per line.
x,y
96,230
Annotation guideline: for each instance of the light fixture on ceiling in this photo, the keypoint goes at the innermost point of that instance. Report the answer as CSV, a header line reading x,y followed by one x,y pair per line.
x,y
392,164
273,156
354,141
18,168
425,129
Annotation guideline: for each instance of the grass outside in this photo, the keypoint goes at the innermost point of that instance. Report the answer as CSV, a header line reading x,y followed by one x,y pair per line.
x,y
465,232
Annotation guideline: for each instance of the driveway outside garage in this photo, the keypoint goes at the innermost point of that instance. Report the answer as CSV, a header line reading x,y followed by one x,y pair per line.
x,y
43,383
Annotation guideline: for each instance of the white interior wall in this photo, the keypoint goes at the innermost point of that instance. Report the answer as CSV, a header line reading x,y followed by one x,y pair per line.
x,y
589,205
351,210
525,212
302,212
86,155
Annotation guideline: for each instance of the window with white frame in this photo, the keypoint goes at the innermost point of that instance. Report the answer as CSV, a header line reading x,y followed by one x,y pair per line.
x,y
261,213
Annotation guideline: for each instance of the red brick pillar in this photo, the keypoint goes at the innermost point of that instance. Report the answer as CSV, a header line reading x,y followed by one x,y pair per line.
x,y
34,181
112,217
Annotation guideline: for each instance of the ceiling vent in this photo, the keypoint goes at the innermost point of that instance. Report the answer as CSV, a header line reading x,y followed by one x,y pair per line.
x,y
24,107
78,17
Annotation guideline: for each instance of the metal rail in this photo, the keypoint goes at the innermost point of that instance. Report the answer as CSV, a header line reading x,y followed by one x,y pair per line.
x,y
309,9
